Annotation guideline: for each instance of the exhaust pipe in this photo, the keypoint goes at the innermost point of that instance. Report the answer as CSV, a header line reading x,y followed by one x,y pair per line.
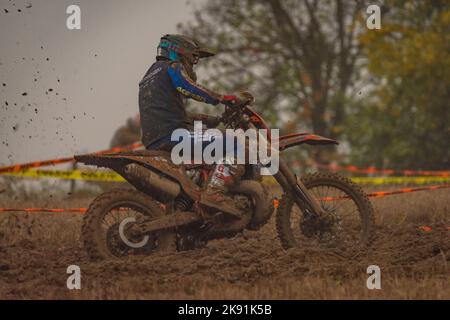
x,y
151,183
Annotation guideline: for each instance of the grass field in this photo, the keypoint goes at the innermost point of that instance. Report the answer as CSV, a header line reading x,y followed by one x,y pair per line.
x,y
35,250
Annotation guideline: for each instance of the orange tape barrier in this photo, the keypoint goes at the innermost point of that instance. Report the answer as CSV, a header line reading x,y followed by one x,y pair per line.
x,y
31,210
407,190
332,167
429,229
275,201
379,194
372,170
18,167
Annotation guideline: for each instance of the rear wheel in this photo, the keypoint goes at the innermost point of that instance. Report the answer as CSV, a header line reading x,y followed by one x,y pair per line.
x,y
108,226
348,214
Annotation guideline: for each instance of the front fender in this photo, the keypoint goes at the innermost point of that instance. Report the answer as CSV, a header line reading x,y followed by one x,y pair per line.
x,y
294,139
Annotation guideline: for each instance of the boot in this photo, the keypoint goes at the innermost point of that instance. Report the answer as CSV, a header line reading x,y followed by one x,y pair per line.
x,y
216,194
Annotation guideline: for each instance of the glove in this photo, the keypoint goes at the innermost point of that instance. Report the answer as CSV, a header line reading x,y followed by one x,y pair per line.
x,y
231,100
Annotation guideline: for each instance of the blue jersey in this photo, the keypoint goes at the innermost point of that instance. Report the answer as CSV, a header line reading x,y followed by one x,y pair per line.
x,y
162,95
184,85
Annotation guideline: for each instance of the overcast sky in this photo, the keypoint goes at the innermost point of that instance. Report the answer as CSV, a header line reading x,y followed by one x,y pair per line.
x,y
64,91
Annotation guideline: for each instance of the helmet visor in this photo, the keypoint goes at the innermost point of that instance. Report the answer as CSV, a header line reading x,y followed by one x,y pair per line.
x,y
205,53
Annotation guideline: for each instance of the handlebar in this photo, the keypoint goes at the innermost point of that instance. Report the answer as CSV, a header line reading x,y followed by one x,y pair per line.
x,y
233,115
248,100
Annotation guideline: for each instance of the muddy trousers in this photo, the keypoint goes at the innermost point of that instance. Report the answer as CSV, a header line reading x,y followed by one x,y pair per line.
x,y
226,171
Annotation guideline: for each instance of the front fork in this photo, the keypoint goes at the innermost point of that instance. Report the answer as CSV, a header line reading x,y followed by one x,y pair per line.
x,y
293,185
300,194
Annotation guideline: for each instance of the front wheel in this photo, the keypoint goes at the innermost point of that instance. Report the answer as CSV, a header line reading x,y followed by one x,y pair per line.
x,y
108,226
348,214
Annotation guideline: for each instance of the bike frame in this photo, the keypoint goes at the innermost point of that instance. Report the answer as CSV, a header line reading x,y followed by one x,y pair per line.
x,y
290,183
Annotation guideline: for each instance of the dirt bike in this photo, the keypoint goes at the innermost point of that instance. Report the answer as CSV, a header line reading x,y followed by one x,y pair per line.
x,y
165,210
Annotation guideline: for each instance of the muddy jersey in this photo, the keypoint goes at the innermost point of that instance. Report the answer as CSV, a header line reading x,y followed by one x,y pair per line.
x,y
162,96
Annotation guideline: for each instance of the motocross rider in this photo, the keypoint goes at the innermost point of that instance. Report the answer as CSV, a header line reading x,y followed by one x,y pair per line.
x,y
162,97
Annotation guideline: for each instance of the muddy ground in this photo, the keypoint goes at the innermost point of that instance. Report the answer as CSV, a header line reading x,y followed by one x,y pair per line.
x,y
36,249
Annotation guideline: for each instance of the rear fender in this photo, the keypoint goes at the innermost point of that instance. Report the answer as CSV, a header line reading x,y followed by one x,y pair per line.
x,y
158,161
295,139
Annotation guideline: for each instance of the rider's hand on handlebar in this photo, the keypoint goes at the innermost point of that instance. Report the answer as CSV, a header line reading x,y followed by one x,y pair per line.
x,y
244,98
231,100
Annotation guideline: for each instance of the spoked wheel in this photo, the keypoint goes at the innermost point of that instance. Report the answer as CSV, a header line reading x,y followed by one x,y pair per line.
x,y
348,219
108,226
